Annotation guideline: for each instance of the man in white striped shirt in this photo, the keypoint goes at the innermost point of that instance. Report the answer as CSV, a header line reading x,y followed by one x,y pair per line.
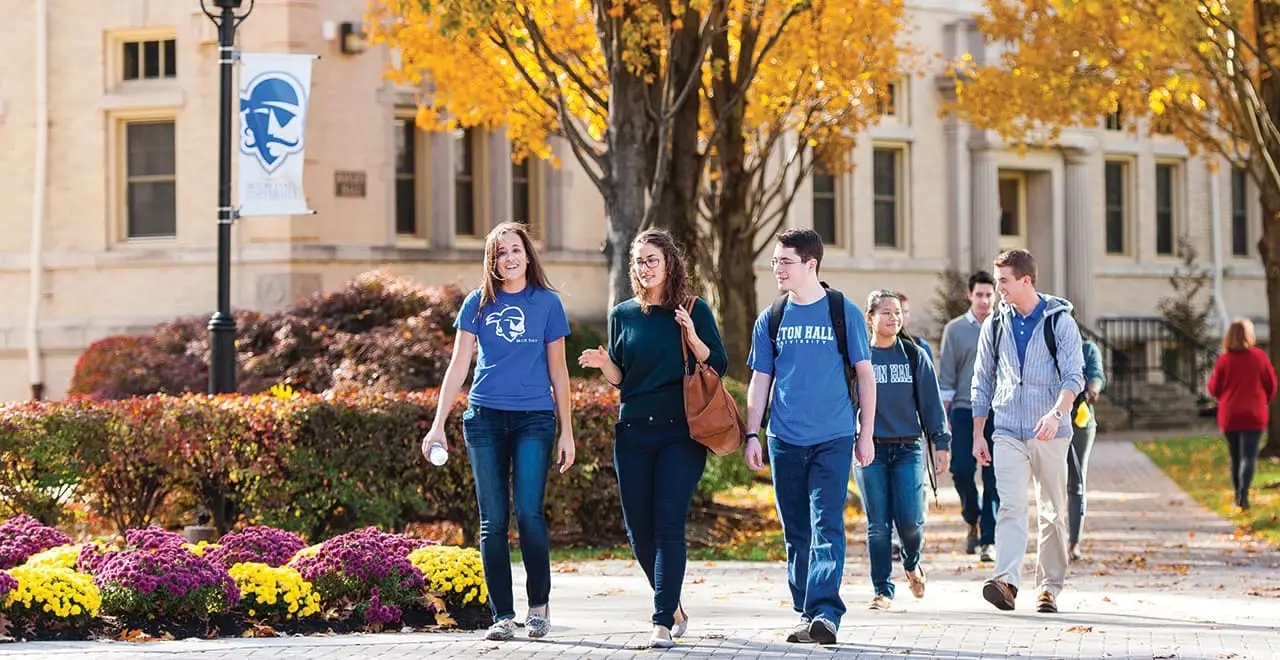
x,y
1029,369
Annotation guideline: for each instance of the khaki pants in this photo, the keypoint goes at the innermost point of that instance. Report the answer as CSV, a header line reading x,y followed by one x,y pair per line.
x,y
1044,464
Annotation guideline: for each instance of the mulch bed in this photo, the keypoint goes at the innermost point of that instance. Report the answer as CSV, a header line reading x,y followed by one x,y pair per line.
x,y
137,629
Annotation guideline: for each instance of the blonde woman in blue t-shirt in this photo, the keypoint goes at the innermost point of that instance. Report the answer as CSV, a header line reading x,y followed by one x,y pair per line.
x,y
521,384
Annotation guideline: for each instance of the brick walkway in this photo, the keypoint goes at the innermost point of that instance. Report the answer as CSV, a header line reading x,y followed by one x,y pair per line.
x,y
1164,579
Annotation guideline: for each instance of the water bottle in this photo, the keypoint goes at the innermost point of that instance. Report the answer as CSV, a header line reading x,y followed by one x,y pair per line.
x,y
438,455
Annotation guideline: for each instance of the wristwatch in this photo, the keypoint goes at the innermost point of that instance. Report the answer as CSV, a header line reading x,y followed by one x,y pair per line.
x,y
1057,414
753,435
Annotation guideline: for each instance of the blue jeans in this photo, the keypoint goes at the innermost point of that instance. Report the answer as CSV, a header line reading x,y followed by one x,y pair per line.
x,y
658,467
1077,475
501,444
892,490
963,469
811,485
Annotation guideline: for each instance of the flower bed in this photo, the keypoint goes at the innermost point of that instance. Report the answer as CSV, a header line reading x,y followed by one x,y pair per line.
x,y
258,581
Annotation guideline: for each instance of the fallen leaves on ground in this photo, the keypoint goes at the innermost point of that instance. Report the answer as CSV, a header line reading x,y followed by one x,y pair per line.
x,y
1080,629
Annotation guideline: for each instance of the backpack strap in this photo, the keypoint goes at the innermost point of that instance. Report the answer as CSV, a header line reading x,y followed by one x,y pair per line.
x,y
995,343
835,305
775,321
915,355
1051,340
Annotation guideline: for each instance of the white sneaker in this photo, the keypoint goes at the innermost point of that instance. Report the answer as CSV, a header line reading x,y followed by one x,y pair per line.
x,y
822,631
661,638
501,631
800,633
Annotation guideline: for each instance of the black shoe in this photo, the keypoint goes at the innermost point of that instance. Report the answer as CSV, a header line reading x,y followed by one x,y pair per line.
x,y
971,541
822,631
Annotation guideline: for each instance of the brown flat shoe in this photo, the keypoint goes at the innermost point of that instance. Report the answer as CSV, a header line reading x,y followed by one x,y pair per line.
x,y
916,579
1000,594
1047,604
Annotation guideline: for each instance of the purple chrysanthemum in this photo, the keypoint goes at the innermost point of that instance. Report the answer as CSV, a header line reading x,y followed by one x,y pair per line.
x,y
266,545
167,580
7,584
23,536
355,566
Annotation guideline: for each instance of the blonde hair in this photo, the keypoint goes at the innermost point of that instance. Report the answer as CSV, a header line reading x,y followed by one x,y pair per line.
x,y
1240,336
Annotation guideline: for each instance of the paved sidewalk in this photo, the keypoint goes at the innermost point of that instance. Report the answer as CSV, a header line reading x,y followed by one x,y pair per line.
x,y
1164,578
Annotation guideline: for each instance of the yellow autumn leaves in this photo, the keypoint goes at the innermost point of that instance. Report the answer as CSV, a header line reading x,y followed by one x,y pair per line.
x,y
1175,64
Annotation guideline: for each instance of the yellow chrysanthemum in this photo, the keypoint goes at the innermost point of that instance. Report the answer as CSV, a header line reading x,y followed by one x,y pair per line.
x,y
455,574
45,590
274,591
63,556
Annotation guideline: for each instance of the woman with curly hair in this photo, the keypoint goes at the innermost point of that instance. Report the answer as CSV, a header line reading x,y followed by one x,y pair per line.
x,y
657,462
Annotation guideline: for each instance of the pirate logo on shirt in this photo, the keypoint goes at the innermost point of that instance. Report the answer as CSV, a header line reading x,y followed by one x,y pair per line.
x,y
508,323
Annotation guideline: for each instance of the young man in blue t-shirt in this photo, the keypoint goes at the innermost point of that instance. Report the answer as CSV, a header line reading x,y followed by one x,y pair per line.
x,y
811,428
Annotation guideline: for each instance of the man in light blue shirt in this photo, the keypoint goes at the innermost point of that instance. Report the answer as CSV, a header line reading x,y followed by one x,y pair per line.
x,y
1029,391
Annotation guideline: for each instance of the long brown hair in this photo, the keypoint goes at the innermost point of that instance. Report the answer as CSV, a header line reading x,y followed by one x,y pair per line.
x,y
676,284
1240,336
533,273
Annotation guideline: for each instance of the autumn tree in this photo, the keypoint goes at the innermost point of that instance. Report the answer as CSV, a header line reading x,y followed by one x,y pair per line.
x,y
613,78
789,86
1201,70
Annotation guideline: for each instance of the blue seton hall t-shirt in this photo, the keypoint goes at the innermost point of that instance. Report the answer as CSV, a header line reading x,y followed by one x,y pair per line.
x,y
513,333
810,394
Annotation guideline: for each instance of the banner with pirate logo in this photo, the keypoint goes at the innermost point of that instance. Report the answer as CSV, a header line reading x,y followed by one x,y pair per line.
x,y
273,120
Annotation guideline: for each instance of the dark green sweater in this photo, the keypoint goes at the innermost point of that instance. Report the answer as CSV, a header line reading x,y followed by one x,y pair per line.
x,y
646,347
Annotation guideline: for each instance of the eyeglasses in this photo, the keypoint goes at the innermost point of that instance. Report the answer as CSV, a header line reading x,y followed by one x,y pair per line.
x,y
775,262
650,263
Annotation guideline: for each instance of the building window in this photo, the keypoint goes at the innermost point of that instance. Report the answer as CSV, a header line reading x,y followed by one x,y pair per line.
x,y
150,181
887,190
887,103
824,204
406,177
1239,212
1115,121
464,183
1165,209
1116,180
1013,210
150,59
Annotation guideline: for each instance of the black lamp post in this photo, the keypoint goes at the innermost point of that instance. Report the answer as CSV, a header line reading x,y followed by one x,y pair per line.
x,y
222,326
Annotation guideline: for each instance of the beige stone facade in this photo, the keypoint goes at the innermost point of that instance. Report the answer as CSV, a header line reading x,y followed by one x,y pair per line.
x,y
129,218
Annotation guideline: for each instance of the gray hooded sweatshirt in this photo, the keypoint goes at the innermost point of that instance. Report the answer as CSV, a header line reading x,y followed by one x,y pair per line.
x,y
1020,394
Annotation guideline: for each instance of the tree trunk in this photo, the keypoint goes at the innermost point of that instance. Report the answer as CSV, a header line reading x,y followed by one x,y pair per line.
x,y
1267,18
736,289
677,210
625,191
732,224
1269,247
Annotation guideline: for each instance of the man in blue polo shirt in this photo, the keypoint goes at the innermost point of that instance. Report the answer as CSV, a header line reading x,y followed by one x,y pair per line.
x,y
811,428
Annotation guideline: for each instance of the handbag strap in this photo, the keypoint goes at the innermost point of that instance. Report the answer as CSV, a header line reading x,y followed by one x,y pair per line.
x,y
685,347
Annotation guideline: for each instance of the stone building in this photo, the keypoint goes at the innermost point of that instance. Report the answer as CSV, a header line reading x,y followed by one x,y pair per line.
x,y
125,235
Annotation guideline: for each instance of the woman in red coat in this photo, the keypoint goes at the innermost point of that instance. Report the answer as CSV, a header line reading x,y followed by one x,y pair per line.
x,y
1243,382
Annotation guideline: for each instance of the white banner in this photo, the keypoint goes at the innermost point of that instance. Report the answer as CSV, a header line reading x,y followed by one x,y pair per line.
x,y
273,120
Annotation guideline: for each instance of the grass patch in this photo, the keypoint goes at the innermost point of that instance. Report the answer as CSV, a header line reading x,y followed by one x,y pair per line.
x,y
1202,468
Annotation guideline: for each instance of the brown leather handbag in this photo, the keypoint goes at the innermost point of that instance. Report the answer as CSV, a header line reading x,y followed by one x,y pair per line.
x,y
712,413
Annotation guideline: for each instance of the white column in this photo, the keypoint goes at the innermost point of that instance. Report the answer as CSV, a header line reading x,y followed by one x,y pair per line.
x,y
986,209
442,217
959,192
1079,238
